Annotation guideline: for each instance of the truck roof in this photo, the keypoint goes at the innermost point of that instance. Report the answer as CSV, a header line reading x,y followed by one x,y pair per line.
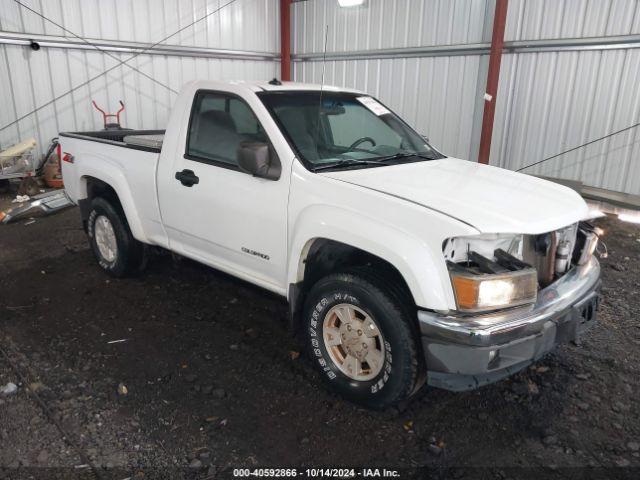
x,y
261,85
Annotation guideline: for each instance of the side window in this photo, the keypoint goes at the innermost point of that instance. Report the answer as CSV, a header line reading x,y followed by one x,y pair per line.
x,y
218,124
246,121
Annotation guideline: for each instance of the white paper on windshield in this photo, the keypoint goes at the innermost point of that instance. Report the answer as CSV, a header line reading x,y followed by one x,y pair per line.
x,y
373,105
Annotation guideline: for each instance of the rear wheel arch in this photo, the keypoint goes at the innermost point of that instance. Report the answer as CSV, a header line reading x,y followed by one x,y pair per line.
x,y
94,188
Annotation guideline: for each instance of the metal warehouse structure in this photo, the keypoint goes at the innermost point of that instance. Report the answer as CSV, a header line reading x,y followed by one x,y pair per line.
x,y
569,74
240,41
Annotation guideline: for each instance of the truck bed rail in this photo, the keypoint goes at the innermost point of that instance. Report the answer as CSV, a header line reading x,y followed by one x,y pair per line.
x,y
117,137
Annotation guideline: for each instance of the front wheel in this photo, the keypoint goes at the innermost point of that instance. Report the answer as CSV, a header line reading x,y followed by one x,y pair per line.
x,y
360,337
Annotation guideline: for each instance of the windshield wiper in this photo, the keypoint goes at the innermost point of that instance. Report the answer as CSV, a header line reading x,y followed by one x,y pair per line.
x,y
347,162
381,161
399,156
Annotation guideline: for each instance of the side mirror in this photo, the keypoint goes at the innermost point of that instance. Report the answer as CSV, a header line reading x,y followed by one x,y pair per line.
x,y
259,160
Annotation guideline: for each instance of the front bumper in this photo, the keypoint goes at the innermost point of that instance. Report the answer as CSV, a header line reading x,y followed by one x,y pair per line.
x,y
466,352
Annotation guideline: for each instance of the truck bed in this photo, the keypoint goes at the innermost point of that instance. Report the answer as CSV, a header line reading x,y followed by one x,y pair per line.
x,y
147,140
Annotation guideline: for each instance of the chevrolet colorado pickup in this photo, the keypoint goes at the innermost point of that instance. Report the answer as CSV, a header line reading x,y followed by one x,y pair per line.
x,y
401,265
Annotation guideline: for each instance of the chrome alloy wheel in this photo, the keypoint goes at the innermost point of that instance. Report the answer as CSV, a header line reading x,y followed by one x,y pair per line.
x,y
353,341
105,238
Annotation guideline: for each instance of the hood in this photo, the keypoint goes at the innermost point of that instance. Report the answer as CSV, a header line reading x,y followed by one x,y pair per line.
x,y
491,199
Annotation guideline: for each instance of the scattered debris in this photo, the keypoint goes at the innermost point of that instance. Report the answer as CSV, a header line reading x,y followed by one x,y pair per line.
x,y
43,457
45,203
18,161
18,307
583,376
28,187
251,333
293,355
435,449
408,426
8,389
195,464
118,341
21,199
35,386
122,389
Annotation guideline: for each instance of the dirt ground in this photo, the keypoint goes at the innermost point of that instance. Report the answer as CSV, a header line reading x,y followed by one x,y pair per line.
x,y
214,382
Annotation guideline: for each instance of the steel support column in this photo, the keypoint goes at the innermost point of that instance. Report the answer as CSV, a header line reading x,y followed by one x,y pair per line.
x,y
493,75
285,40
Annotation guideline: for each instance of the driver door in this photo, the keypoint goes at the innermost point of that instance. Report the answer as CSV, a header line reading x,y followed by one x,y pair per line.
x,y
215,213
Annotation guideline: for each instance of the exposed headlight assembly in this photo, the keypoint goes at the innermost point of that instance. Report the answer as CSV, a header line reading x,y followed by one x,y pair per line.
x,y
487,272
477,292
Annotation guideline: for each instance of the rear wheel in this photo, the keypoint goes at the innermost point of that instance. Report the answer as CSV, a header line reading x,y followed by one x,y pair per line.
x,y
113,245
360,337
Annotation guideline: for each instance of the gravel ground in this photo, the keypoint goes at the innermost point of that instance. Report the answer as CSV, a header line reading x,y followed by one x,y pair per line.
x,y
202,376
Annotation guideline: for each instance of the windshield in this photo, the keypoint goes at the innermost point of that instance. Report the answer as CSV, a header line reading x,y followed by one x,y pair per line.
x,y
349,130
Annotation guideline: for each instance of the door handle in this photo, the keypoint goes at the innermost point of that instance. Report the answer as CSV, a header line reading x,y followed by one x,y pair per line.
x,y
187,178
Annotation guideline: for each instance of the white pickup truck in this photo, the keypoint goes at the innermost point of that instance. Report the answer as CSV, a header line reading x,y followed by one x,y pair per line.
x,y
400,265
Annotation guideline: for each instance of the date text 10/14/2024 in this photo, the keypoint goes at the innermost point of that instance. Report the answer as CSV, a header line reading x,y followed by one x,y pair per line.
x,y
316,472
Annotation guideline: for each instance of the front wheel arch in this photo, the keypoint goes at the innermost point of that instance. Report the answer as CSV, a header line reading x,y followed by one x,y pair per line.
x,y
322,257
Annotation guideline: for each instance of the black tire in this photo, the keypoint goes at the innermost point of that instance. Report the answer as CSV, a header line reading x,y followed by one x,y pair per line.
x,y
130,255
400,376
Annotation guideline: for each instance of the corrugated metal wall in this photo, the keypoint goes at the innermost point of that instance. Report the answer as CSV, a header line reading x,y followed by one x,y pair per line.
x,y
31,78
436,95
536,19
548,101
